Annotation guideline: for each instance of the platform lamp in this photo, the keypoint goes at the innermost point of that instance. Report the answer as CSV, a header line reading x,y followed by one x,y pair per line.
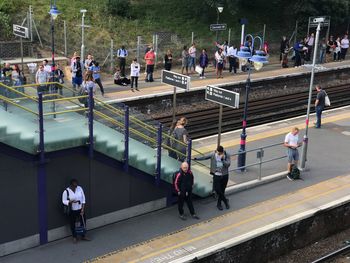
x,y
257,59
54,14
219,9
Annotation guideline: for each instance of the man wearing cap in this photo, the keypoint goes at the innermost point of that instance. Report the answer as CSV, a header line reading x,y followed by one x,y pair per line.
x,y
220,161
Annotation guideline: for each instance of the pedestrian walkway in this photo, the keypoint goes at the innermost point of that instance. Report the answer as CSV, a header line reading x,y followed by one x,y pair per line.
x,y
155,236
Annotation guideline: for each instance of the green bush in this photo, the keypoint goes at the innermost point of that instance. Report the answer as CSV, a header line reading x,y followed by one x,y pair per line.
x,y
118,7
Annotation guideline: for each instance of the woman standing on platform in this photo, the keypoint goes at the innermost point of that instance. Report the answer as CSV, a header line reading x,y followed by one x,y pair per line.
x,y
74,197
134,74
219,57
168,60
181,135
184,60
203,62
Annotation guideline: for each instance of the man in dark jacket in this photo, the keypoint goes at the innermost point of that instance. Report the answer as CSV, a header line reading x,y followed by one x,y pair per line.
x,y
183,186
220,161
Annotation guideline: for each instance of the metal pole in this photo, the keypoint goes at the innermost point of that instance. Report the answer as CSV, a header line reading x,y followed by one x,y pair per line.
x,y
229,36
217,22
174,105
242,35
296,31
22,55
220,124
53,52
111,55
308,28
329,25
192,37
189,152
31,23
264,30
138,48
159,153
65,38
156,51
41,180
82,38
241,160
126,138
91,123
306,139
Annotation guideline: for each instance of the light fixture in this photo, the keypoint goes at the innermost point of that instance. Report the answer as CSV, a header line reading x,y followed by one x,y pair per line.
x,y
54,12
259,59
243,61
220,9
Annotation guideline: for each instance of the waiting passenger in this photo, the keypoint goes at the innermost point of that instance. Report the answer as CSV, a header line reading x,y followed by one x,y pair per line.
x,y
292,142
220,161
119,80
134,74
74,197
181,138
183,185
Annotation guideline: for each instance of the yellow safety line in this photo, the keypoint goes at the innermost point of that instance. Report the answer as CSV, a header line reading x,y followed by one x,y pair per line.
x,y
272,132
251,219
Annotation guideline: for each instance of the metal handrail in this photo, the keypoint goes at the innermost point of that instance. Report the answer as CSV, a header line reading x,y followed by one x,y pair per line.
x,y
10,101
18,92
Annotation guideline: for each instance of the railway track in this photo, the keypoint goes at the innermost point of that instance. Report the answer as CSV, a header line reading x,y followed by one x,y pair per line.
x,y
205,122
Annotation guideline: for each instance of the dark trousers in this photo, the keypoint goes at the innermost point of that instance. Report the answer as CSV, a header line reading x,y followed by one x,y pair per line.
x,y
167,66
75,216
233,64
188,199
319,110
297,62
202,74
122,63
343,53
99,83
134,80
149,71
220,183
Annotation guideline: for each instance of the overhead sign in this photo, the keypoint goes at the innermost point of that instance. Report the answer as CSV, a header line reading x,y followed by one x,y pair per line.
x,y
218,27
313,21
20,31
175,79
222,96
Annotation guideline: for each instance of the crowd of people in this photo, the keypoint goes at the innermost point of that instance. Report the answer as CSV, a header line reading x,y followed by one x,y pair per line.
x,y
333,49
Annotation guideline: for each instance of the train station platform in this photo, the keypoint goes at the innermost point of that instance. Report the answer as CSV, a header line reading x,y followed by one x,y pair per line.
x,y
115,93
255,212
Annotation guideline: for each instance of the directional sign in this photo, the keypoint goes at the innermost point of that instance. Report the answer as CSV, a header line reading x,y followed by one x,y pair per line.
x,y
312,23
218,27
20,31
222,96
175,79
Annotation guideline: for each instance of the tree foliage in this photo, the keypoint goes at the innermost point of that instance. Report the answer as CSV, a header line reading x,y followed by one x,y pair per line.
x,y
118,7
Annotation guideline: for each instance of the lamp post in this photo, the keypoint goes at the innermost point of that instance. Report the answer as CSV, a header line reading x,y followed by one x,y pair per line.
x,y
219,9
53,13
83,11
306,139
257,59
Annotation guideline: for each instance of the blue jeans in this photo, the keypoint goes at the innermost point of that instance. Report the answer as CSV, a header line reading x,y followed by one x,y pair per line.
x,y
192,62
322,56
319,110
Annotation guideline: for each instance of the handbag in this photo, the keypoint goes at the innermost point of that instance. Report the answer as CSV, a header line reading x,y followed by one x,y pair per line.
x,y
199,69
67,208
327,101
80,227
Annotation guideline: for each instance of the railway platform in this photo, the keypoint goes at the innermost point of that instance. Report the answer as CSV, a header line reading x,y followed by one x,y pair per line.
x,y
263,221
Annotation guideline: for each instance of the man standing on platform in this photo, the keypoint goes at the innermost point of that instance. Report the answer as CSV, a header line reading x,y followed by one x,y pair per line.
x,y
291,141
183,185
319,105
122,53
150,58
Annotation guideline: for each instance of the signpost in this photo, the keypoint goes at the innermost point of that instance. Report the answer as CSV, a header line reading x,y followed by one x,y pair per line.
x,y
218,27
177,81
21,32
224,98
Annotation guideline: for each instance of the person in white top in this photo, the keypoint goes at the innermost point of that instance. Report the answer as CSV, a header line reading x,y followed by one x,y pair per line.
x,y
74,197
192,57
292,142
88,84
231,54
134,74
219,57
344,44
47,67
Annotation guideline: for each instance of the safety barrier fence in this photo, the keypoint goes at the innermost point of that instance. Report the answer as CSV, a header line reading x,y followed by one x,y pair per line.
x,y
51,99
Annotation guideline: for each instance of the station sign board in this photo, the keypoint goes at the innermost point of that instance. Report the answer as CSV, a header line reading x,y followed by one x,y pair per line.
x,y
176,79
313,21
223,97
218,27
20,31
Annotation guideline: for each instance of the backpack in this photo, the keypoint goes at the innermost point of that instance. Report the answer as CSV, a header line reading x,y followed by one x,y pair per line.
x,y
295,173
66,208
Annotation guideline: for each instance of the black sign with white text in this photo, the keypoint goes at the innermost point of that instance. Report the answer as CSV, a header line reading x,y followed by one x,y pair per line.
x,y
222,96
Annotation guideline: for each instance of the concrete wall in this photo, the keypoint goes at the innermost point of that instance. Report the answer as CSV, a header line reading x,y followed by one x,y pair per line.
x,y
111,193
281,241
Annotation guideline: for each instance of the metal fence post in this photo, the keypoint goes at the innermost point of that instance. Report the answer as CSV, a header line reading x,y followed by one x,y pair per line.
x,y
126,138
156,50
91,123
192,38
189,153
65,38
111,55
138,48
159,153
41,180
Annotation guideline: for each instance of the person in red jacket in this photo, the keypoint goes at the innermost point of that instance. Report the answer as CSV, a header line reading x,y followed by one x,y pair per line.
x,y
183,186
150,60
